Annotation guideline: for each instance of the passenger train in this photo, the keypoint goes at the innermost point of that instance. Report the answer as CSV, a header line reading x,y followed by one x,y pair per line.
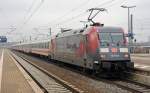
x,y
96,47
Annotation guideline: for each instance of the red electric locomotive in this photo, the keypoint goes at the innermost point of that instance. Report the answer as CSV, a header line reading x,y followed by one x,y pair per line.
x,y
96,47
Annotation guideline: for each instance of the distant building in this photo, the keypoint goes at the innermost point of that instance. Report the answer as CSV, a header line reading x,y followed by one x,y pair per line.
x,y
3,39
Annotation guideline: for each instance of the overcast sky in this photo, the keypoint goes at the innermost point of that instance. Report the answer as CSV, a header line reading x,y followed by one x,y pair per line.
x,y
20,19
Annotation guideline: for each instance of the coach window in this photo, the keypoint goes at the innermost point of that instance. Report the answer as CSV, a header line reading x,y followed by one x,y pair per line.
x,y
36,45
48,45
45,45
40,45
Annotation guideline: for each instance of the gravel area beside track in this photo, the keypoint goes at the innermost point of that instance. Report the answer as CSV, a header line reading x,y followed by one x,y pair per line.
x,y
82,82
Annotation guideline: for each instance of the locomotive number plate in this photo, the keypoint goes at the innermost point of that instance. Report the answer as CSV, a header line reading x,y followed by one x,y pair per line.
x,y
115,55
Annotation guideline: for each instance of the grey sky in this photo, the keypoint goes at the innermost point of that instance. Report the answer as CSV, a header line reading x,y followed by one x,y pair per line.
x,y
34,17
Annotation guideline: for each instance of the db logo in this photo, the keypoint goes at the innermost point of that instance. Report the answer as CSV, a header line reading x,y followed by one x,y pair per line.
x,y
114,50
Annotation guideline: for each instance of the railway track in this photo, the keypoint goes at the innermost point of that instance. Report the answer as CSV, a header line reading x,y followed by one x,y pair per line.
x,y
139,76
48,82
132,86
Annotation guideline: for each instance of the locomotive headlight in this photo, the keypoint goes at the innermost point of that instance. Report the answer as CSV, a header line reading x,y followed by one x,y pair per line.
x,y
104,50
96,62
126,55
123,49
103,56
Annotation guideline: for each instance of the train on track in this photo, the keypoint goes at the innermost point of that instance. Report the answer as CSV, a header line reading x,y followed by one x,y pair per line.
x,y
96,47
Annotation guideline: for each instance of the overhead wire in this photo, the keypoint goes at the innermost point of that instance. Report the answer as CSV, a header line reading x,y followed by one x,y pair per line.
x,y
105,3
26,20
4,15
69,12
68,19
76,16
72,18
141,24
120,2
29,9
11,27
26,14
30,16
36,9
108,4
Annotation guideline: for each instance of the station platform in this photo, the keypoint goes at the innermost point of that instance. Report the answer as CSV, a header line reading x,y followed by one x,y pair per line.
x,y
141,61
11,77
140,55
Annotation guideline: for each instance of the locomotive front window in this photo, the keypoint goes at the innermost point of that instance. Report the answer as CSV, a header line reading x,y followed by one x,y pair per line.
x,y
106,38
117,37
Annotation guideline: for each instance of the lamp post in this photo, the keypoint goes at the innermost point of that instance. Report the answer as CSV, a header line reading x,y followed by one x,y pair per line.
x,y
129,25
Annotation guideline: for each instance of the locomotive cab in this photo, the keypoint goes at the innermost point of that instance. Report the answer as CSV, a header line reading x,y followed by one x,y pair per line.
x,y
107,47
113,49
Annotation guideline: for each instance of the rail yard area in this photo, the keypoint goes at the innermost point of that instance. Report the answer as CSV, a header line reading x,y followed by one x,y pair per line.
x,y
21,72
